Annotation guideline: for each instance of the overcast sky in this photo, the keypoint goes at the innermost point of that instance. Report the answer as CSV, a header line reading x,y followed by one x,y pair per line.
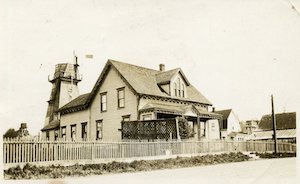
x,y
237,52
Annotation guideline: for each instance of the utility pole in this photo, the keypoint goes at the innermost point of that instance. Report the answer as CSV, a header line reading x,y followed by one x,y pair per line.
x,y
274,124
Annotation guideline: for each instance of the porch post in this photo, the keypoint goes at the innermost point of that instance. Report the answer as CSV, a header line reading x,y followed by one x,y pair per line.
x,y
177,129
198,128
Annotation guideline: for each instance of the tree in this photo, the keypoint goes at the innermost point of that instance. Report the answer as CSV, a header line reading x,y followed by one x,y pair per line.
x,y
10,133
185,130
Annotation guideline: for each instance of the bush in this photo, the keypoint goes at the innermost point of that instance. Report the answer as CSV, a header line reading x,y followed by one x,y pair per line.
x,y
52,171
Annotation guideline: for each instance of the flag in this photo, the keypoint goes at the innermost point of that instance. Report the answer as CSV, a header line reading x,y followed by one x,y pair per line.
x,y
89,56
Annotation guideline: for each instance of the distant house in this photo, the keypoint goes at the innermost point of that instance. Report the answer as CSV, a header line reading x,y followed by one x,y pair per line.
x,y
125,93
229,125
285,126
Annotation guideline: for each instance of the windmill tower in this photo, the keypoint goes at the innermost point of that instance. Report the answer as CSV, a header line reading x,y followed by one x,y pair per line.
x,y
64,88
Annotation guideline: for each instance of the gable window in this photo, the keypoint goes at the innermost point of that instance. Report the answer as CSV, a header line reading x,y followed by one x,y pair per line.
x,y
103,102
175,89
224,124
121,97
99,129
182,88
63,133
179,91
84,131
73,132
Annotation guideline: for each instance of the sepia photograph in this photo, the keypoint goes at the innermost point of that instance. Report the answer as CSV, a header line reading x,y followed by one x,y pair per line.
x,y
149,91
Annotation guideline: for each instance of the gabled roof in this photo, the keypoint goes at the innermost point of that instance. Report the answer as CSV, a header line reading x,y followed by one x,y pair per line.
x,y
142,81
165,77
283,121
225,113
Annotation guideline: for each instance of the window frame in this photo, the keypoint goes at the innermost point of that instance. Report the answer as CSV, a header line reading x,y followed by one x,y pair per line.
x,y
175,89
126,117
47,135
56,134
63,132
122,98
100,129
73,134
102,103
84,131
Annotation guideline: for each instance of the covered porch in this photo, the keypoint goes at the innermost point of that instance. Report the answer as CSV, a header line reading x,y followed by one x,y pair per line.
x,y
204,124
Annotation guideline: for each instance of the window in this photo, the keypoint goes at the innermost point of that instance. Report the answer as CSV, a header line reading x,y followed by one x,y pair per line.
x,y
182,88
126,118
121,97
147,117
84,131
63,133
179,91
224,124
99,129
47,135
103,102
73,132
175,89
56,134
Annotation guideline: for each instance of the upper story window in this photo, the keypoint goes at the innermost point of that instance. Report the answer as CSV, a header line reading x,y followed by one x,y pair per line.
x,y
182,88
121,97
179,90
175,89
84,131
103,102
73,132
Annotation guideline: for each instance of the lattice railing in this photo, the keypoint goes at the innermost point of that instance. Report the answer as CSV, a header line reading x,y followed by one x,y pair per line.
x,y
149,129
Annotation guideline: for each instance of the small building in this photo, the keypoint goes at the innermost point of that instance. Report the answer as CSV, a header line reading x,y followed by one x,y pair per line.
x,y
229,124
249,126
125,93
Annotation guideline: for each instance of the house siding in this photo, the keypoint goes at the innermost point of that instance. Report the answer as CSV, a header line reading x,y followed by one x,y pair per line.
x,y
75,118
113,116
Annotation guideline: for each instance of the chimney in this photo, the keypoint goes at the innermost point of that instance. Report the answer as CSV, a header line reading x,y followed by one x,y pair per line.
x,y
213,109
161,67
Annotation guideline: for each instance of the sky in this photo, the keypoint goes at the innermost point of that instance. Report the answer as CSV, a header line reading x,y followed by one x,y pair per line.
x,y
236,52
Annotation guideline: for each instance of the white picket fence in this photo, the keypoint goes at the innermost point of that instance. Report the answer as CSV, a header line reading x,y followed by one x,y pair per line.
x,y
27,151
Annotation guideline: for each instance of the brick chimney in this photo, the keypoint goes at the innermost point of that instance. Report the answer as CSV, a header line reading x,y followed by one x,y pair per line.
x,y
161,67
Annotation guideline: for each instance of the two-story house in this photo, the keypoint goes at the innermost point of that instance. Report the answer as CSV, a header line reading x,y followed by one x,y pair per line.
x,y
125,92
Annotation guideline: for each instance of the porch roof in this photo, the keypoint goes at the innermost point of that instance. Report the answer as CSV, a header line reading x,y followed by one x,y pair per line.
x,y
52,125
281,134
188,110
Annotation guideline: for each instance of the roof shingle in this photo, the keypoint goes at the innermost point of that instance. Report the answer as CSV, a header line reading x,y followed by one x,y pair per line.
x,y
283,121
